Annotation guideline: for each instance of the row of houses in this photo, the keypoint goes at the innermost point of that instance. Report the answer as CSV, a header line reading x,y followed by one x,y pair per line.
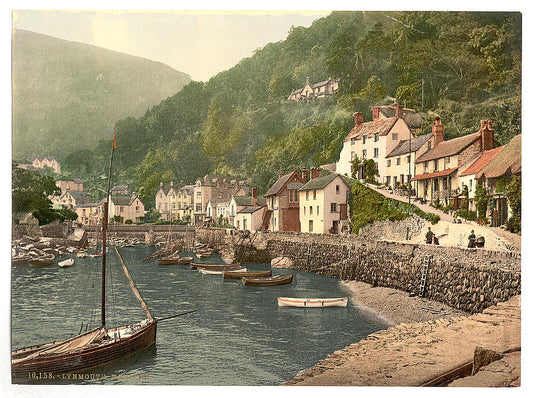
x,y
437,170
123,205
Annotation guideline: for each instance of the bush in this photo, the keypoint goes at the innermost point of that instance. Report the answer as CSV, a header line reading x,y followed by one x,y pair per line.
x,y
466,214
128,222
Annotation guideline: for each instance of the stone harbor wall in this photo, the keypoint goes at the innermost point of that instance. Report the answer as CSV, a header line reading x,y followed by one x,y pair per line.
x,y
467,279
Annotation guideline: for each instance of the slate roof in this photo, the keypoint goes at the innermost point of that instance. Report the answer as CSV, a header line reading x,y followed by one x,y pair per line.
x,y
250,209
449,148
411,117
123,200
481,161
247,200
320,182
403,146
507,161
280,183
80,197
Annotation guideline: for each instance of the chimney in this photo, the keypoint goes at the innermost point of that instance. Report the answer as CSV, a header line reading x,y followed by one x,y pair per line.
x,y
399,111
171,183
161,184
357,119
438,131
304,174
307,81
375,112
487,135
315,173
255,202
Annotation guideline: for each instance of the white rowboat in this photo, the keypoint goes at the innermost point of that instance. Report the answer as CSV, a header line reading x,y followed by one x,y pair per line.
x,y
312,302
66,263
210,272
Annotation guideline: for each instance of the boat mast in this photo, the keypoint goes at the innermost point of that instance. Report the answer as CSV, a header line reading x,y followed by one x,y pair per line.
x,y
104,226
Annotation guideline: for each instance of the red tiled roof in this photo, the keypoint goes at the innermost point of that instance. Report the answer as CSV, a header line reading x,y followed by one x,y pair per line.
x,y
441,173
481,161
449,148
379,127
508,160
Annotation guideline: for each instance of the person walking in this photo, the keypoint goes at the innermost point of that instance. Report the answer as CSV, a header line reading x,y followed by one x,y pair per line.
x,y
472,239
429,236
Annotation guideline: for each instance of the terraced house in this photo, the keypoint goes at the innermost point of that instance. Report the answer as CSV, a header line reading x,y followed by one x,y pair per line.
x,y
124,206
174,203
283,207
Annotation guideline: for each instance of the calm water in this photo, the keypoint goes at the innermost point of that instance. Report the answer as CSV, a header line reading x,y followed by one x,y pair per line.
x,y
237,336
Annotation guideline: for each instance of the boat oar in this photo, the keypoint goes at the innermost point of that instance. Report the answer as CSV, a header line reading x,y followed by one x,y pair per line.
x,y
174,316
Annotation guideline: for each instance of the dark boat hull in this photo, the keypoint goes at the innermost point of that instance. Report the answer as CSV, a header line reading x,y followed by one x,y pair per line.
x,y
168,261
268,281
216,267
55,367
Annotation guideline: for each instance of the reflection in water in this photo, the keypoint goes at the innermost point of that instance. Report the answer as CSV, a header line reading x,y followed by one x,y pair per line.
x,y
237,336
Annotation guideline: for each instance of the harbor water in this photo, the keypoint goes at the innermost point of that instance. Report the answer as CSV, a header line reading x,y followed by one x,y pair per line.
x,y
238,336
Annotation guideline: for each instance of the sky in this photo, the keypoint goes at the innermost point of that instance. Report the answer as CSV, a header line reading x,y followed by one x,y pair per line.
x,y
199,43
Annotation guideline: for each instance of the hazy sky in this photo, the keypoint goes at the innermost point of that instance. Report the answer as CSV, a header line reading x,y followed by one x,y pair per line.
x,y
200,44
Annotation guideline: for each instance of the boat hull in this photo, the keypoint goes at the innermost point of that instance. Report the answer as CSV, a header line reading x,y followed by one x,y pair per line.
x,y
312,303
268,281
216,267
59,366
168,261
251,274
212,272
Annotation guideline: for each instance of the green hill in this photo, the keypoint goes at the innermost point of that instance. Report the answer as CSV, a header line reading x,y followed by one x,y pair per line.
x,y
68,95
462,66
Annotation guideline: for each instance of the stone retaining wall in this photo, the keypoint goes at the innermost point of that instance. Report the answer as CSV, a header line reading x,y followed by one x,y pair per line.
x,y
467,279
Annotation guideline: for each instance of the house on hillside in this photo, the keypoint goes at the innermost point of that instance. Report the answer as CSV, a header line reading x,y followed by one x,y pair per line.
x,y
496,175
71,199
41,163
214,187
89,213
467,175
373,140
126,207
318,90
74,184
324,204
283,208
436,171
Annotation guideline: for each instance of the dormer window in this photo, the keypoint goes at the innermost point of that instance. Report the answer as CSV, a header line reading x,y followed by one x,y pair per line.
x,y
395,136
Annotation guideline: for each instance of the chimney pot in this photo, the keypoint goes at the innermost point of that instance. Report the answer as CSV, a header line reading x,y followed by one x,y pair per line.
x,y
438,131
304,174
399,111
315,173
254,197
375,113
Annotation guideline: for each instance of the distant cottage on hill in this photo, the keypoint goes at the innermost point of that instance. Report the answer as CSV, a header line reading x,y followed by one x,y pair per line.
x,y
319,90
41,163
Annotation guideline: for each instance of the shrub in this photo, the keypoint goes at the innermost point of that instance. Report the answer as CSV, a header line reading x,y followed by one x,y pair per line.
x,y
128,222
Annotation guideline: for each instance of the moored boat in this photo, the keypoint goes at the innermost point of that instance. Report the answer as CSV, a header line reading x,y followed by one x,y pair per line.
x,y
268,281
249,274
213,272
312,302
216,267
185,260
43,261
168,260
66,263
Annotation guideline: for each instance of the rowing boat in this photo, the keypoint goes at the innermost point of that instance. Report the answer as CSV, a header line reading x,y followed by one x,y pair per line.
x,y
212,272
66,263
268,281
216,267
312,302
249,274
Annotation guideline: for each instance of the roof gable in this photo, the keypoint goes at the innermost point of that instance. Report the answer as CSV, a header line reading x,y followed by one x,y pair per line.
x,y
508,160
373,127
405,146
282,182
321,182
481,161
449,148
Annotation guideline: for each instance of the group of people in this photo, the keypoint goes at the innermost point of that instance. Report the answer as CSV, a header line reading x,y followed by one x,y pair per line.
x,y
473,241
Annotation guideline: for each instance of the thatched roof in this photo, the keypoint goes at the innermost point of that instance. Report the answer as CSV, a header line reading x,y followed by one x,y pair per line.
x,y
507,161
449,148
481,161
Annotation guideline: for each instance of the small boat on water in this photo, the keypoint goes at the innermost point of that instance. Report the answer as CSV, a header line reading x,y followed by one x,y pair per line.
x,y
43,261
168,260
203,253
185,260
82,254
268,281
249,274
213,272
66,263
312,302
216,267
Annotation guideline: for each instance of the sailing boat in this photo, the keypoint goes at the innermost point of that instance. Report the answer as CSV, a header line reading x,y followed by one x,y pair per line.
x,y
93,348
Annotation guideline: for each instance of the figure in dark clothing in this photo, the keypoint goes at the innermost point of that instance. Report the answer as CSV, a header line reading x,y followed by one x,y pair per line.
x,y
472,239
435,240
429,236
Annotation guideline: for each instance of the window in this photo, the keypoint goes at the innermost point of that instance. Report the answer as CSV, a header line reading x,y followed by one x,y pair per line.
x,y
364,139
310,210
388,163
376,138
364,153
333,207
376,152
198,207
198,194
398,160
425,167
408,158
314,194
446,160
310,225
436,164
318,210
352,155
395,136
304,210
337,188
306,195
293,195
352,141
429,145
